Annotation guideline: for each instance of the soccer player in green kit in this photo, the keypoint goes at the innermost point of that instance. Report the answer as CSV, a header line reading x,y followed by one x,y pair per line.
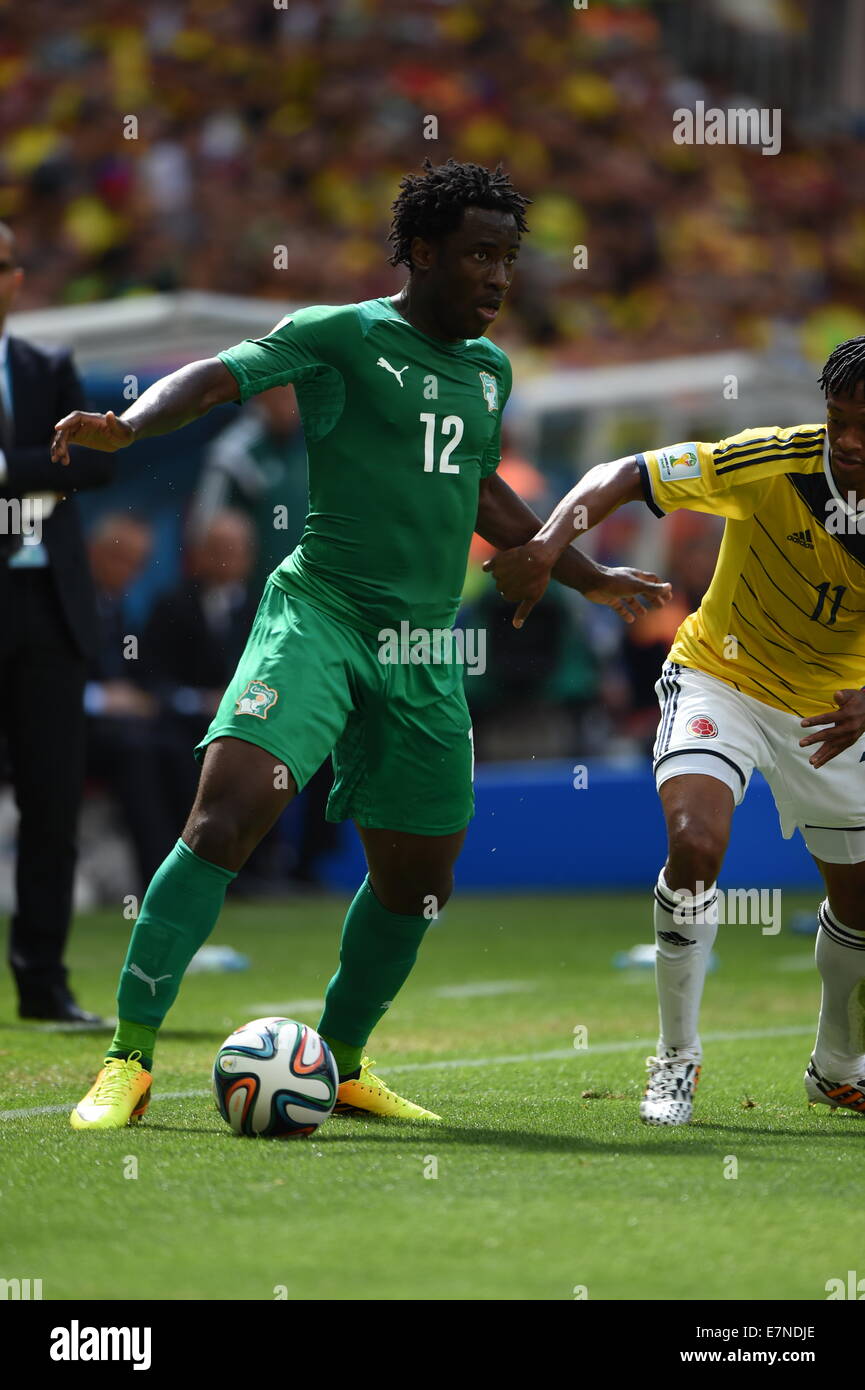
x,y
401,402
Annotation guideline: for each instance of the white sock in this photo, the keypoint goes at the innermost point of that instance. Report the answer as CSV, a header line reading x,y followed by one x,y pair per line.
x,y
684,942
840,956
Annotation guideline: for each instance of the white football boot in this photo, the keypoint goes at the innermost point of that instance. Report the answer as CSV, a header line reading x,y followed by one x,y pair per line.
x,y
847,1095
669,1095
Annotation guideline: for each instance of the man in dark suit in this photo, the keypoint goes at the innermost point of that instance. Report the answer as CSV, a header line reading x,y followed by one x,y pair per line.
x,y
122,718
190,648
47,633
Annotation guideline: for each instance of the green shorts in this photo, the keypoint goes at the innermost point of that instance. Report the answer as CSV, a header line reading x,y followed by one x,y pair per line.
x,y
401,737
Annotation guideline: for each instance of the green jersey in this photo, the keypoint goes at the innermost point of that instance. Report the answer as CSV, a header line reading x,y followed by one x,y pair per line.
x,y
400,428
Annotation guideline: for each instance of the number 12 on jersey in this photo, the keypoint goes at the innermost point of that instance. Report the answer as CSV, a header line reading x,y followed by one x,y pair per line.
x,y
450,424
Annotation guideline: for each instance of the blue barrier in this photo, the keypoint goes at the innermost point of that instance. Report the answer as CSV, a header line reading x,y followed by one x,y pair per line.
x,y
534,830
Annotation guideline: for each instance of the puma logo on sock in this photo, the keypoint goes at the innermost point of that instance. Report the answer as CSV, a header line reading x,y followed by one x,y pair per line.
x,y
148,979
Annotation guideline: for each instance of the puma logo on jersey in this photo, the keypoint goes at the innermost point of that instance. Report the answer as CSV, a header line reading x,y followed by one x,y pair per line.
x,y
148,979
801,538
383,362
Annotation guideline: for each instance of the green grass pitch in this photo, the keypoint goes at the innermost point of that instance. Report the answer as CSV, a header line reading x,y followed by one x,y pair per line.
x,y
546,1181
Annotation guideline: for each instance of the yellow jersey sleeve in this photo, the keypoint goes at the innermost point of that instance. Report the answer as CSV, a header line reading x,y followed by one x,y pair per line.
x,y
728,478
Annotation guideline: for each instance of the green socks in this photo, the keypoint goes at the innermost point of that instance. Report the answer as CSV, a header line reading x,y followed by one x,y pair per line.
x,y
377,952
179,912
348,1058
133,1037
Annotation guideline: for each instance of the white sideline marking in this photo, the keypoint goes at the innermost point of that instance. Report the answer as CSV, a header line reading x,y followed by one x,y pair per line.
x,y
483,989
559,1054
65,1109
289,1007
478,990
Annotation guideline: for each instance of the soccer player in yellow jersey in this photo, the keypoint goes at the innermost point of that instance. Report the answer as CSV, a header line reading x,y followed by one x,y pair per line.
x,y
766,674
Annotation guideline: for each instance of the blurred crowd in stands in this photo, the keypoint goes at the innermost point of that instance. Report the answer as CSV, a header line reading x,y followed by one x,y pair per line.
x,y
177,146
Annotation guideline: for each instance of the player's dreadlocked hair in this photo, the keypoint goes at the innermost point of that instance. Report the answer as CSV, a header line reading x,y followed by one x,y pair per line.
x,y
845,368
431,204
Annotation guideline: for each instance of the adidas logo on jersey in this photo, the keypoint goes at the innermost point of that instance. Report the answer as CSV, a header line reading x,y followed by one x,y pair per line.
x,y
801,538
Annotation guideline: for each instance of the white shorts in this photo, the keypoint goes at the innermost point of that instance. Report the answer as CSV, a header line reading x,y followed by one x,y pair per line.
x,y
709,728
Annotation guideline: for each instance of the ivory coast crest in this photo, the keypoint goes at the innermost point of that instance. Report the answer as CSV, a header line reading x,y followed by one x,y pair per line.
x,y
256,699
491,390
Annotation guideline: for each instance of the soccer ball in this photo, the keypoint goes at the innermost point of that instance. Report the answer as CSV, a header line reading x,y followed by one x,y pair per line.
x,y
276,1078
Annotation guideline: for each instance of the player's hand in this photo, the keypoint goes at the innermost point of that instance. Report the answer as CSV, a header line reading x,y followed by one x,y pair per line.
x,y
104,432
630,593
521,576
842,726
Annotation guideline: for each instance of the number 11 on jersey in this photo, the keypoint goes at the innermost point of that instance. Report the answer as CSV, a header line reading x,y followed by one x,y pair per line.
x,y
451,424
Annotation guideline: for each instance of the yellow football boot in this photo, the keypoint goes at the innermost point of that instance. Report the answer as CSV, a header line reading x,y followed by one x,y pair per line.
x,y
368,1095
119,1096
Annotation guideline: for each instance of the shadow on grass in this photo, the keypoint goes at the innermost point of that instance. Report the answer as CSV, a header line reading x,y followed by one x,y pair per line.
x,y
770,1131
435,1137
71,1030
182,1129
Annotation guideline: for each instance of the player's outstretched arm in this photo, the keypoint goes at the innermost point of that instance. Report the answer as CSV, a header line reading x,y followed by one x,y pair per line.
x,y
523,569
167,405
506,521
